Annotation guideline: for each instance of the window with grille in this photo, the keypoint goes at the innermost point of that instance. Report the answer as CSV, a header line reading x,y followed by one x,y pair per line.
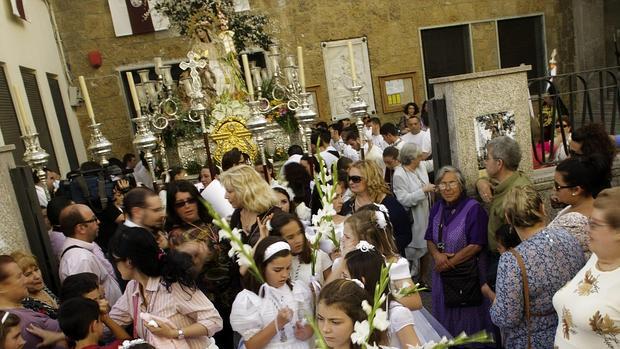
x,y
8,119
65,131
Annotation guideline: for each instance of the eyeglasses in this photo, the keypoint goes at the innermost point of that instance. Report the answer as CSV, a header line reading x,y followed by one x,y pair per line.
x,y
449,185
94,219
558,187
180,204
355,179
563,126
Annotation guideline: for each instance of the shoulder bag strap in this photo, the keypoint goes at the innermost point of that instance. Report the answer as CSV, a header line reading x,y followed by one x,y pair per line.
x,y
69,248
526,294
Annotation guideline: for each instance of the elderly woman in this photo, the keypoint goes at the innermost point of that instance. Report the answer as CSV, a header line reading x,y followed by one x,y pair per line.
x,y
12,292
412,189
367,187
577,181
252,198
455,237
40,298
587,307
529,275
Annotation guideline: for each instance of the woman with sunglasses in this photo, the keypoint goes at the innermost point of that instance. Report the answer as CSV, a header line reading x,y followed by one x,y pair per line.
x,y
368,187
185,210
587,306
577,181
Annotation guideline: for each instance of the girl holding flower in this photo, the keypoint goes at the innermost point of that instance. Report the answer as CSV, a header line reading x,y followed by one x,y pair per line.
x,y
271,314
289,227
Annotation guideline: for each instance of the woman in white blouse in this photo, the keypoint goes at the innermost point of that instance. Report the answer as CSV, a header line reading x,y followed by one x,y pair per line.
x,y
588,306
161,300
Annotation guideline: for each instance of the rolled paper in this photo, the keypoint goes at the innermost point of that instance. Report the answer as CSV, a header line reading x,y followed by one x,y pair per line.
x,y
248,75
89,107
134,94
21,113
352,62
300,62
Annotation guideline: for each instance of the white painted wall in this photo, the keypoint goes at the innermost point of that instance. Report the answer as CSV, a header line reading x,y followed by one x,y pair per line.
x,y
31,44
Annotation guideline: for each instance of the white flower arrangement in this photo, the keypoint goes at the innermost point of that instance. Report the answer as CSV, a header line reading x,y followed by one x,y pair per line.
x,y
364,246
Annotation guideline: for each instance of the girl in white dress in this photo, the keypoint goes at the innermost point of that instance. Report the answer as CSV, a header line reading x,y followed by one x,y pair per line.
x,y
289,227
371,224
365,264
339,307
272,315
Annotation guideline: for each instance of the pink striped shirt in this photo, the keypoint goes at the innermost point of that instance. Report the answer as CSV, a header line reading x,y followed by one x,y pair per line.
x,y
181,306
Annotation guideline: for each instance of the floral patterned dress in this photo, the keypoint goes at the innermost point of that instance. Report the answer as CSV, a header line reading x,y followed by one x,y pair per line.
x,y
588,309
551,257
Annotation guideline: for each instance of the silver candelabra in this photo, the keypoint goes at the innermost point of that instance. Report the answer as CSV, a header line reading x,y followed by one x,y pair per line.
x,y
36,157
358,109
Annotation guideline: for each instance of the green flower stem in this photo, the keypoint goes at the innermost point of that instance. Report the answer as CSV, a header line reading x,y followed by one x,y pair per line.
x,y
319,340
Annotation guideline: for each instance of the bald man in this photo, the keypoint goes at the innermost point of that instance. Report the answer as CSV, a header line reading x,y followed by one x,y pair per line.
x,y
81,254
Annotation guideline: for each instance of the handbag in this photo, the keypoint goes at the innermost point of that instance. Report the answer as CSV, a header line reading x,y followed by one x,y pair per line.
x,y
461,285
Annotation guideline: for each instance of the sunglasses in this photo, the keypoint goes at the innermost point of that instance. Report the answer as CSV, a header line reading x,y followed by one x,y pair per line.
x,y
180,204
355,179
557,186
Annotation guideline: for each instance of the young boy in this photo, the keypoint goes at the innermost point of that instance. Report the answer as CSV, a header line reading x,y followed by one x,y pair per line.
x,y
80,321
86,285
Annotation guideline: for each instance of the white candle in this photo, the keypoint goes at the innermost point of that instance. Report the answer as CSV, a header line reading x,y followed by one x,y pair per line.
x,y
352,61
89,107
21,113
248,75
300,62
158,65
134,95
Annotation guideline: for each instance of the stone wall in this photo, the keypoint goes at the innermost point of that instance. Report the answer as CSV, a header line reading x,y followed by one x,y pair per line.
x,y
392,28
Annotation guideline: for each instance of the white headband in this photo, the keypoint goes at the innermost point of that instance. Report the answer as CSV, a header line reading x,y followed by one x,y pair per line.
x,y
4,317
275,248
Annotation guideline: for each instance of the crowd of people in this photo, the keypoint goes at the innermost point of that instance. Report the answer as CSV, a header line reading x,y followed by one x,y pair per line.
x,y
152,269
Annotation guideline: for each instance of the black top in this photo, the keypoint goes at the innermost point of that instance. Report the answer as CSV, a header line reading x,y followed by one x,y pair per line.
x,y
252,237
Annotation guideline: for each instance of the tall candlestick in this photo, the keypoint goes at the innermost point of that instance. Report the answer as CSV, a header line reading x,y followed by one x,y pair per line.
x,y
21,114
352,61
89,107
134,95
248,75
300,63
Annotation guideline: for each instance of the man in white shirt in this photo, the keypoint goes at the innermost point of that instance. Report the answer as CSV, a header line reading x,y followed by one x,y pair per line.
x,y
377,138
335,132
391,136
371,152
329,154
81,254
417,136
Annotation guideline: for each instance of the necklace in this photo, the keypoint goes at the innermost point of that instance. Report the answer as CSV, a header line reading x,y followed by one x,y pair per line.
x,y
275,302
297,268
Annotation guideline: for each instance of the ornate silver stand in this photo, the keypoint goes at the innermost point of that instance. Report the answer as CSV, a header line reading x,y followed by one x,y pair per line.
x,y
358,109
36,157
257,125
144,140
99,147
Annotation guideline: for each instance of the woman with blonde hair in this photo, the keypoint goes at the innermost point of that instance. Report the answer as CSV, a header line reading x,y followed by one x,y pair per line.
x,y
368,187
587,303
40,298
529,275
251,197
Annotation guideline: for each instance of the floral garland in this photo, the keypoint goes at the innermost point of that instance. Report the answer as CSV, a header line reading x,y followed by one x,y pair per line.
x,y
250,28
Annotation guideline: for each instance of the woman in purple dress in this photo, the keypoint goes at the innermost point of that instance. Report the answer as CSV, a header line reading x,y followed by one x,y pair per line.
x,y
456,235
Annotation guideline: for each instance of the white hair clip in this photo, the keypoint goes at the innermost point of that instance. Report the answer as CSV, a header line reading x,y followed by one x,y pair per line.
x,y
357,282
380,219
130,343
364,246
382,208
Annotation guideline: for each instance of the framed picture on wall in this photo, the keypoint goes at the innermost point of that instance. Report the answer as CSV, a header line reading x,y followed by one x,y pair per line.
x,y
396,91
315,91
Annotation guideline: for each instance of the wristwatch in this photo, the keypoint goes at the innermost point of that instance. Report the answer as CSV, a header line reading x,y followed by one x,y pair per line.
x,y
181,335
